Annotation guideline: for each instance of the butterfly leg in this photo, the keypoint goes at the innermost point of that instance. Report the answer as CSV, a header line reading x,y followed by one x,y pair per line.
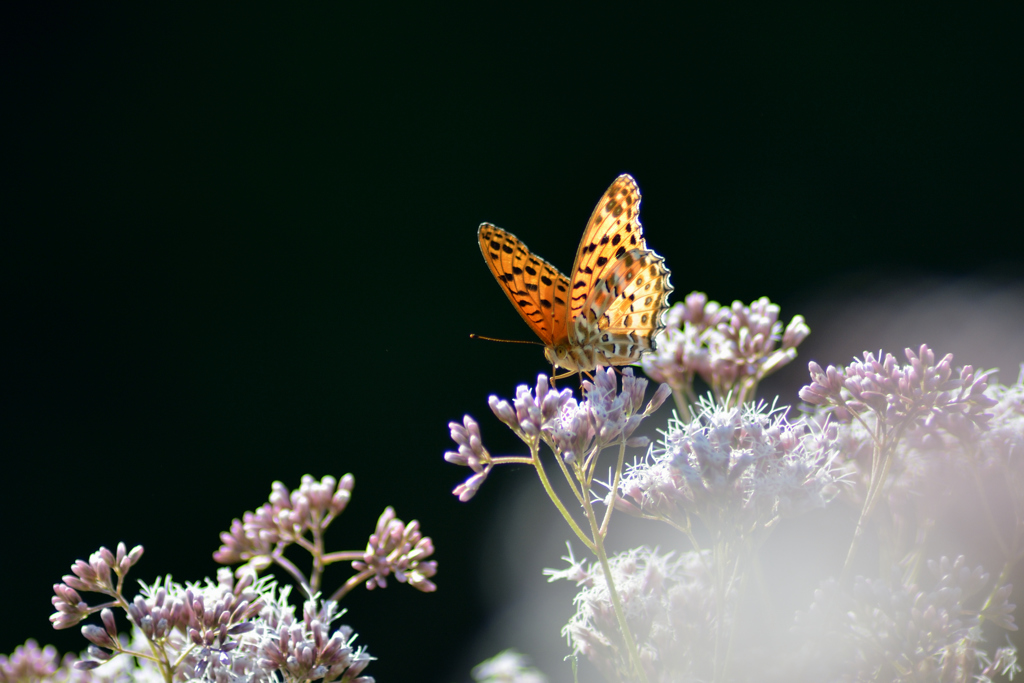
x,y
567,373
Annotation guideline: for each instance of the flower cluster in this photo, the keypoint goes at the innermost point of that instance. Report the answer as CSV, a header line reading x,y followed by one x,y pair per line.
x,y
670,606
895,630
305,649
731,348
300,517
400,549
571,429
743,466
920,392
239,627
93,576
221,631
285,519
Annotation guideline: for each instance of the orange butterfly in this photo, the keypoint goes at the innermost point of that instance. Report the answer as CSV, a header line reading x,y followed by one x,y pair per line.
x,y
611,310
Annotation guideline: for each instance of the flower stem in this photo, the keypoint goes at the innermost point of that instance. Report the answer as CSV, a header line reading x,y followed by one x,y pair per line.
x,y
620,614
535,452
881,462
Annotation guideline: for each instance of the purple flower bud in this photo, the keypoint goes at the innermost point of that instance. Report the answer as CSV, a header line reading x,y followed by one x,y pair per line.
x,y
795,333
96,635
503,411
660,396
813,395
107,617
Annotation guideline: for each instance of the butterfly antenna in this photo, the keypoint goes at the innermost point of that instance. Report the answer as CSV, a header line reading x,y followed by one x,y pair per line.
x,y
506,341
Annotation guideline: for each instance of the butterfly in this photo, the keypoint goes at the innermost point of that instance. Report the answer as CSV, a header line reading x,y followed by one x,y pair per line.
x,y
610,311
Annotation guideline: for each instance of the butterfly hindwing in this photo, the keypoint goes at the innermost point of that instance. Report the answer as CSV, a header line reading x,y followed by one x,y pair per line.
x,y
536,288
623,312
633,319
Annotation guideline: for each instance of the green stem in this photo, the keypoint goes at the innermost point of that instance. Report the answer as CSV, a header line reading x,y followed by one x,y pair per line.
x,y
679,395
620,614
881,462
565,473
535,452
615,489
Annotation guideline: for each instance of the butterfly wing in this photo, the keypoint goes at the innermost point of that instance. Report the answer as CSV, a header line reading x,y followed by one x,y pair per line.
x,y
624,312
620,288
614,229
535,287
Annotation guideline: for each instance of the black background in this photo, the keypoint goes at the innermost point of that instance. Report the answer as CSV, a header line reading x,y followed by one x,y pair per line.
x,y
239,245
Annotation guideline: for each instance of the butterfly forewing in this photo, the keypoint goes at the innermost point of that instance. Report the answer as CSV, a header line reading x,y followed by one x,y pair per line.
x,y
614,229
536,288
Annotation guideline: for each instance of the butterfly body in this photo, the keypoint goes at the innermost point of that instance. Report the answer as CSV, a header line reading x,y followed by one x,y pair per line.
x,y
610,310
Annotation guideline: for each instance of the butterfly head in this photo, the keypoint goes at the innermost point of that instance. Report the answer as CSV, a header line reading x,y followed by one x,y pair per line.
x,y
569,358
559,356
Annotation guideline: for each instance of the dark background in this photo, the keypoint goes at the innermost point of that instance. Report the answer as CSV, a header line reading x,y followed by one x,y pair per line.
x,y
239,245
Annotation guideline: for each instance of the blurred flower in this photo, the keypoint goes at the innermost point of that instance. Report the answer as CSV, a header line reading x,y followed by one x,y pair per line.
x,y
670,607
1003,443
507,667
31,664
743,466
894,630
730,348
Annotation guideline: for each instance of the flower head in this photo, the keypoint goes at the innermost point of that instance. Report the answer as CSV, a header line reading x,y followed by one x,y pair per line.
x,y
286,518
921,392
896,630
731,348
398,549
94,576
306,649
670,607
571,428
747,464
226,630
